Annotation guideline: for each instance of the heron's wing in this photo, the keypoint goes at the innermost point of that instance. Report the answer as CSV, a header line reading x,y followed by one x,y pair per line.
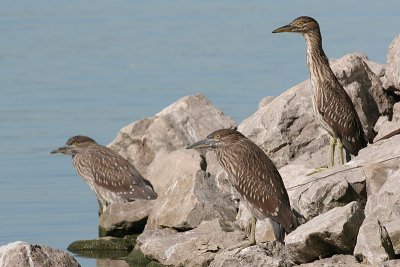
x,y
263,187
340,116
113,172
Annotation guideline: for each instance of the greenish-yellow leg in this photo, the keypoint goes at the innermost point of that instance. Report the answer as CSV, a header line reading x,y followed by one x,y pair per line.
x,y
250,231
332,143
252,235
340,148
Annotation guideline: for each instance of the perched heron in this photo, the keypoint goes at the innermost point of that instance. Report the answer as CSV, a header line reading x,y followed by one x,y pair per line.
x,y
332,106
255,177
111,177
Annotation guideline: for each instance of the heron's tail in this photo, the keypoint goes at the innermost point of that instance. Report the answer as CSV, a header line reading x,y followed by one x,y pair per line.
x,y
279,231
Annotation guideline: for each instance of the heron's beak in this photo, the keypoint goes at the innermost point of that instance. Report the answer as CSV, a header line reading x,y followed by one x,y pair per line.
x,y
203,143
286,28
63,150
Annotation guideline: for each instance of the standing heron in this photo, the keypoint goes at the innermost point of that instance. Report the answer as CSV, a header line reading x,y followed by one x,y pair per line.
x,y
255,177
111,177
332,106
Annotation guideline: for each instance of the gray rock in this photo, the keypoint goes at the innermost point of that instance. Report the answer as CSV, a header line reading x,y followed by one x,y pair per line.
x,y
390,263
372,244
391,80
193,197
384,126
286,128
248,257
333,232
196,247
320,192
265,101
393,230
120,219
377,173
189,119
336,261
24,254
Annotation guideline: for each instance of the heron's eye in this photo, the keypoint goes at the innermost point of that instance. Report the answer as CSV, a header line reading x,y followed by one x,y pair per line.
x,y
217,137
300,23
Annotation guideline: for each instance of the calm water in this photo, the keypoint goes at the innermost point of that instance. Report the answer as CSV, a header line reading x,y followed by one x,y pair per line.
x,y
92,67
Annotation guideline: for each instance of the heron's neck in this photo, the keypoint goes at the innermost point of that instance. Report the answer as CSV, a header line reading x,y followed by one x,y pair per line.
x,y
318,64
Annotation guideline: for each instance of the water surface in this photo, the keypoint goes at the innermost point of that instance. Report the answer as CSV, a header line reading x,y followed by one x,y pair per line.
x,y
92,67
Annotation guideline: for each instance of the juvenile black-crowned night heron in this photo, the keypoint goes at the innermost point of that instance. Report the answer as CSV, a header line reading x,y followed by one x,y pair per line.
x,y
111,177
255,177
332,106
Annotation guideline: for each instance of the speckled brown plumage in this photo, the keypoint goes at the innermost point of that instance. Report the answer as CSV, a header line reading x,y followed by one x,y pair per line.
x,y
333,107
253,175
109,175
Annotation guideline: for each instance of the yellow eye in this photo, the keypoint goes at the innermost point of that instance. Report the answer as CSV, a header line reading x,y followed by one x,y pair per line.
x,y
217,136
300,23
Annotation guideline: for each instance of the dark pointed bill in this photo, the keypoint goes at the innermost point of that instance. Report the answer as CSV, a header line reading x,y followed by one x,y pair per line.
x,y
286,28
202,143
63,149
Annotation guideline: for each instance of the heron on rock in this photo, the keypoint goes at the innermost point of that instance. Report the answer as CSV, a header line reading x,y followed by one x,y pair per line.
x,y
332,106
255,177
111,177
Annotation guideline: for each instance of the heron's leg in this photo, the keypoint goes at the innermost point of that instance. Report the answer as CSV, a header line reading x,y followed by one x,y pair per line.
x,y
250,231
252,234
340,148
332,143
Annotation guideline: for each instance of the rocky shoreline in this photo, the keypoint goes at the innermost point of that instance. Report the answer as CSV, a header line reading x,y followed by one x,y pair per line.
x,y
351,213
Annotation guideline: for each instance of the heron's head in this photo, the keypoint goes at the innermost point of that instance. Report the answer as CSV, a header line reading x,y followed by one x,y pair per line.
x,y
218,139
74,145
301,25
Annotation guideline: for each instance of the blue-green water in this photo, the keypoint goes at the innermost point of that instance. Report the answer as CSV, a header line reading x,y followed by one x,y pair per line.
x,y
92,67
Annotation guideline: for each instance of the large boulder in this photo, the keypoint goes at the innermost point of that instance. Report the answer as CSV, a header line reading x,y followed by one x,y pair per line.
x,y
194,195
24,254
121,219
391,80
377,240
196,247
286,128
334,232
189,119
386,127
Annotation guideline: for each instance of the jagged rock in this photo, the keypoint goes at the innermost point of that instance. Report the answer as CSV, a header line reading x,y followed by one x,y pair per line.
x,y
377,173
336,261
322,191
383,206
286,127
121,219
24,254
196,247
193,196
391,263
391,80
393,230
384,126
333,232
248,257
189,119
372,244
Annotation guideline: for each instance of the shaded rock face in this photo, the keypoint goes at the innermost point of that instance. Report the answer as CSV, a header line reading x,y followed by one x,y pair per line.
x,y
121,219
391,80
333,232
187,120
193,197
386,127
196,247
286,128
23,254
